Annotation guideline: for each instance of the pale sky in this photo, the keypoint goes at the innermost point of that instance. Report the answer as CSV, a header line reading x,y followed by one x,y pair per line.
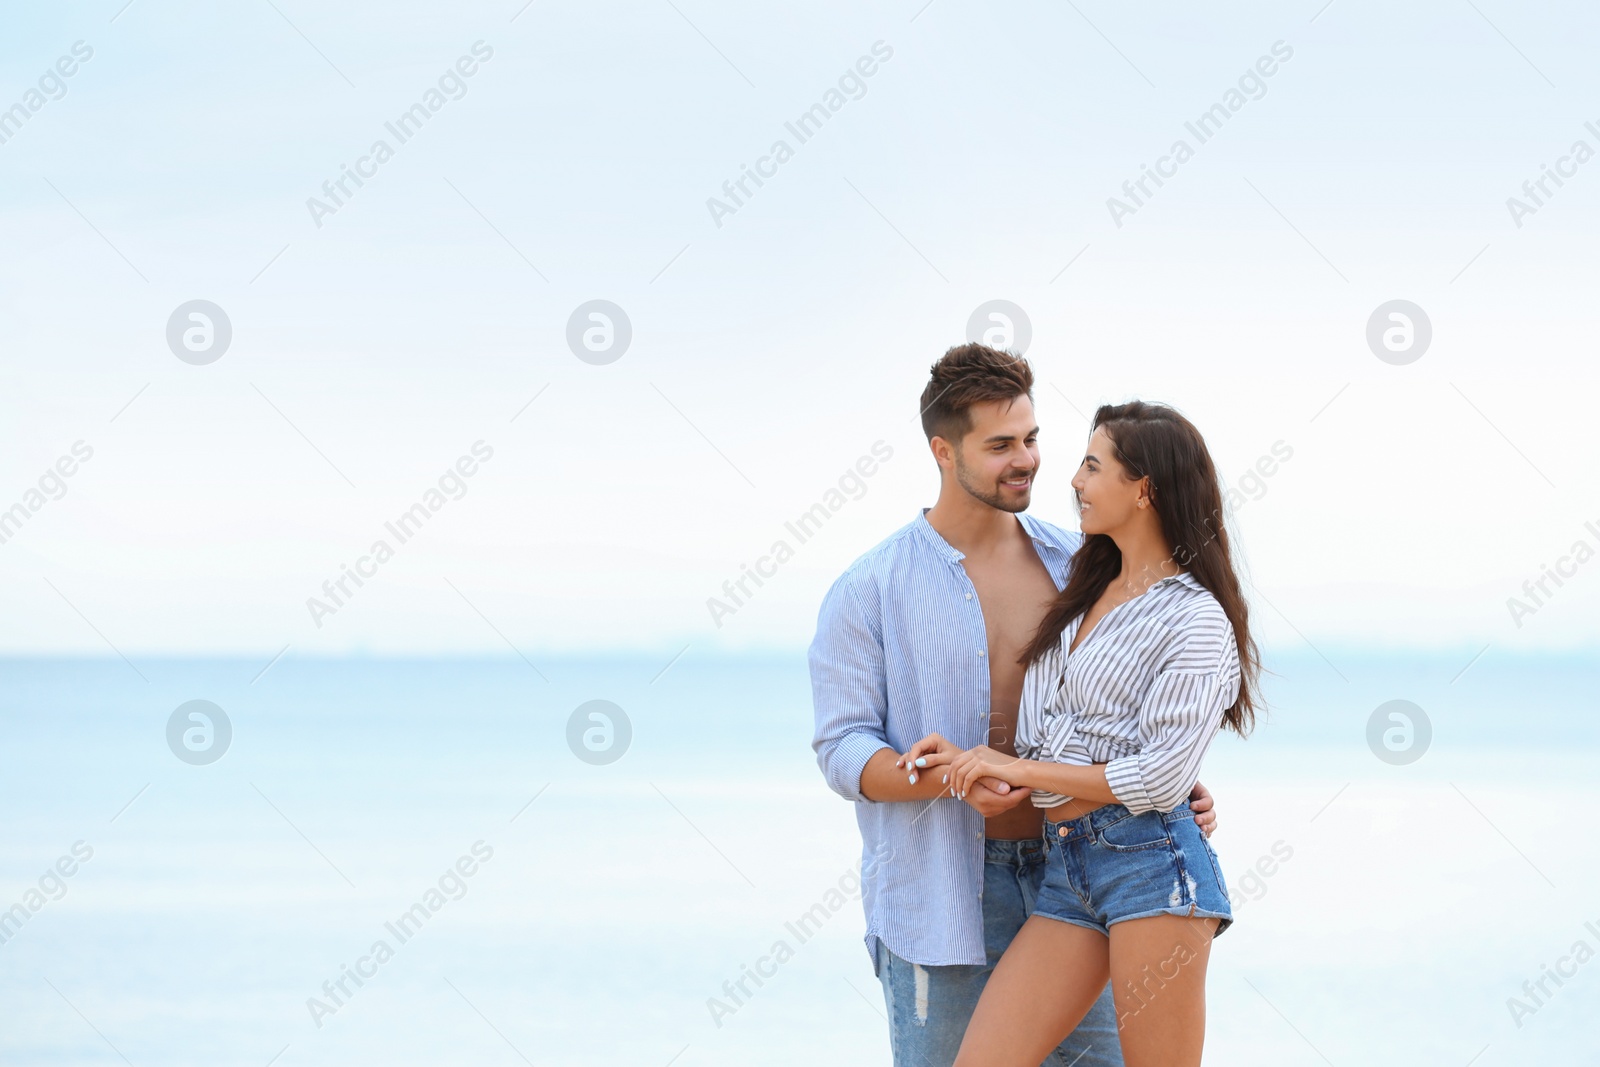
x,y
770,352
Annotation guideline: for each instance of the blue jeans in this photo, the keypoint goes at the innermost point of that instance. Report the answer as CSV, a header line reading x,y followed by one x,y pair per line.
x,y
929,1007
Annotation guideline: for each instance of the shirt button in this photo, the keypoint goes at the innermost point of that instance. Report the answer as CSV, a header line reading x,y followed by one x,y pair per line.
x,y
969,596
980,651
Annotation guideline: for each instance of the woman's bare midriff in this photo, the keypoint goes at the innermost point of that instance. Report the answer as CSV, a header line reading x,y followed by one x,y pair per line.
x,y
1072,809
1026,822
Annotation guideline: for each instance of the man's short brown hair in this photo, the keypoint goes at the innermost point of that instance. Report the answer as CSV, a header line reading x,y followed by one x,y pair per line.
x,y
966,375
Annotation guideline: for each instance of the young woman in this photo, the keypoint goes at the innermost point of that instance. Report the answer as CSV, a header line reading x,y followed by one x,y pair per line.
x,y
1141,659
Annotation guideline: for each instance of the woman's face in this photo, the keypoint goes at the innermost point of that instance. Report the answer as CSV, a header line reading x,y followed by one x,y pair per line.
x,y
1107,498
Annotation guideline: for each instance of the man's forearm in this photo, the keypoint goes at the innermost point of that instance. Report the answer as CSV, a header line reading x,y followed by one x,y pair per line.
x,y
882,780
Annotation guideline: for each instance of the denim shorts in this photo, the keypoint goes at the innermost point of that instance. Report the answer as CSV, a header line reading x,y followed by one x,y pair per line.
x,y
1111,865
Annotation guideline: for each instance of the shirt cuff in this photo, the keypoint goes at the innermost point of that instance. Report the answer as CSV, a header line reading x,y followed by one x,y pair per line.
x,y
1127,784
850,758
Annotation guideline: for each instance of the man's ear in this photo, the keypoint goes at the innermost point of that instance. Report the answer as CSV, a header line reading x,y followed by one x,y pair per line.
x,y
944,452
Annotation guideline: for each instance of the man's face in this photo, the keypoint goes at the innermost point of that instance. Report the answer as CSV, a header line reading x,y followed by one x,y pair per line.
x,y
997,459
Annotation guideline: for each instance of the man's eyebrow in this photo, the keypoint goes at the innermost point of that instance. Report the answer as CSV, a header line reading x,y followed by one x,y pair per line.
x,y
1087,456
1008,436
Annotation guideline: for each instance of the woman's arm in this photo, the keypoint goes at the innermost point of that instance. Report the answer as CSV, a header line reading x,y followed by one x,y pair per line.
x,y
926,770
1179,715
1085,782
1080,781
1075,780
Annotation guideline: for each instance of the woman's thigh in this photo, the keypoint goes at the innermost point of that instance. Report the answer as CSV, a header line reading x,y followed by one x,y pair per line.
x,y
1043,986
1158,976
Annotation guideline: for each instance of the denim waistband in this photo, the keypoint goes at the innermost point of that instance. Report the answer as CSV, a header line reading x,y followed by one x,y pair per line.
x,y
1014,852
1094,820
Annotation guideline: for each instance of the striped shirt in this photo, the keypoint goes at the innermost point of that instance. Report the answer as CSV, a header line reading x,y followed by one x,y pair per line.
x,y
1144,694
901,652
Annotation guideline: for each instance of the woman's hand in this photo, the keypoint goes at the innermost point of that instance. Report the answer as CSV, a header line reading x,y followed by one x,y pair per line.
x,y
983,762
931,751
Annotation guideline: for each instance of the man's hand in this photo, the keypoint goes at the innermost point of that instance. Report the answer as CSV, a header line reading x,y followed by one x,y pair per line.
x,y
1201,802
991,797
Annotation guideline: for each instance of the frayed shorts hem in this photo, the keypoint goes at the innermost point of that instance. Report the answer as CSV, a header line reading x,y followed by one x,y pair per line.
x,y
1182,913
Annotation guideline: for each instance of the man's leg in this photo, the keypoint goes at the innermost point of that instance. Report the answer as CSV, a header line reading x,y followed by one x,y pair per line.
x,y
928,1008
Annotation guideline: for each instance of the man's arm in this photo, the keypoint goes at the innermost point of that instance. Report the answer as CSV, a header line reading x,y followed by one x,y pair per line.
x,y
850,692
849,688
1201,803
988,796
882,780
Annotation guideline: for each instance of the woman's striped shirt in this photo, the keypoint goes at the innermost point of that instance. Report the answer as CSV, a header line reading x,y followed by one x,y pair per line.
x,y
1144,694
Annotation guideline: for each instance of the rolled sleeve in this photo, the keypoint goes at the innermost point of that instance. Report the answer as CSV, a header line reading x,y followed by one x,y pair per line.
x,y
1179,717
849,689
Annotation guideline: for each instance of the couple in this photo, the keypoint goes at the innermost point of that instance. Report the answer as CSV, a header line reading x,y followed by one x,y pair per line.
x,y
980,659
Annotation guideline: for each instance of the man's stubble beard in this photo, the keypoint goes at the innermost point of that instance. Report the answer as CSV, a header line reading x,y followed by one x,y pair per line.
x,y
991,496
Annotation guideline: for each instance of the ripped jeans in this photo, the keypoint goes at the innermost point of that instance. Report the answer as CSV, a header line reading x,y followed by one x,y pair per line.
x,y
929,1007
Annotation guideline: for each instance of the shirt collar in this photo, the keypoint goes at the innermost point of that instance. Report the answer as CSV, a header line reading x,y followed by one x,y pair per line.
x,y
1183,578
938,543
1030,526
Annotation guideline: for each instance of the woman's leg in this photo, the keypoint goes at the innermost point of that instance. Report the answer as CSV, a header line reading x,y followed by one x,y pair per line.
x,y
1043,985
1158,976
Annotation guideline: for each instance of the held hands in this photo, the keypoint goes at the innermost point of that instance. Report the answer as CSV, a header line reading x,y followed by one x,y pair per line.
x,y
931,751
981,762
977,770
990,797
986,778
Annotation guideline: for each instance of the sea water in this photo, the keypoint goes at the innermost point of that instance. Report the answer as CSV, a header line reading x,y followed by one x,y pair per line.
x,y
1386,912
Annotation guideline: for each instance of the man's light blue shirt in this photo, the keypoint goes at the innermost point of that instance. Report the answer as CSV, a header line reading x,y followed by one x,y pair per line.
x,y
901,652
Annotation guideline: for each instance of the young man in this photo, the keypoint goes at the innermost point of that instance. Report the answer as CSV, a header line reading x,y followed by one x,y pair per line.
x,y
922,635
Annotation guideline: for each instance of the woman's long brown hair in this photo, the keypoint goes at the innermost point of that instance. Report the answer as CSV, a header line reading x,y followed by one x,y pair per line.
x,y
1154,441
